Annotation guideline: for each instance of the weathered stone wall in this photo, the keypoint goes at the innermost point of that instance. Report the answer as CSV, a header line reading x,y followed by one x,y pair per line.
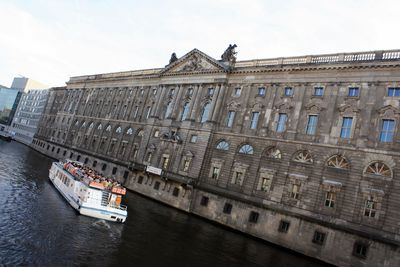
x,y
345,187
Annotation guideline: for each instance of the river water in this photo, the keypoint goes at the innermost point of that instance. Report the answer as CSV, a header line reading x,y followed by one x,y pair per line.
x,y
39,228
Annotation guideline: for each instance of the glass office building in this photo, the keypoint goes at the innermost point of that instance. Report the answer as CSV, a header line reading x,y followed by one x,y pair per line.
x,y
9,99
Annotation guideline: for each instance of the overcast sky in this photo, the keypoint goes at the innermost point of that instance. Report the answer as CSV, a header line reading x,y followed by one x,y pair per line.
x,y
52,40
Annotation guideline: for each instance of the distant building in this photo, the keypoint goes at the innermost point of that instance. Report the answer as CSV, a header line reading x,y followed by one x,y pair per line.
x,y
9,98
25,84
27,116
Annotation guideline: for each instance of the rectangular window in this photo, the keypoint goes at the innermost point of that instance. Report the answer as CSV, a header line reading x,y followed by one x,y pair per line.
x,y
238,91
227,208
253,217
295,191
156,185
114,170
254,120
175,192
318,91
288,91
281,122
354,91
172,92
193,138
165,161
394,91
330,199
230,119
319,238
204,201
238,178
370,207
265,184
210,91
135,113
284,226
186,164
387,131
215,172
261,91
345,132
148,111
140,180
312,124
190,91
360,250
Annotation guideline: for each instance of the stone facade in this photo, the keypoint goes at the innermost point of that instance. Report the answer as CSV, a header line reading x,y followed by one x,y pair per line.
x,y
302,152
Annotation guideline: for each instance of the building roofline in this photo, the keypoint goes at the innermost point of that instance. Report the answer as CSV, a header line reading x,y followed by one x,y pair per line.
x,y
321,59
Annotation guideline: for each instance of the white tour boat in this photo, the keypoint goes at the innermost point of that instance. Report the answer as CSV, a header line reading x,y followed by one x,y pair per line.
x,y
87,192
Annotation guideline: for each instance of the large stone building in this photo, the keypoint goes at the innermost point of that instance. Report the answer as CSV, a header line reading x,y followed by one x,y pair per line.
x,y
303,152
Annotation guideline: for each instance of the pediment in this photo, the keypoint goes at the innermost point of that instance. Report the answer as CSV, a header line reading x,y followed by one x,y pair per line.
x,y
347,108
389,110
194,61
312,107
283,106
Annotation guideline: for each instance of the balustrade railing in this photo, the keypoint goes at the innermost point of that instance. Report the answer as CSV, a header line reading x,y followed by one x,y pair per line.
x,y
312,59
323,59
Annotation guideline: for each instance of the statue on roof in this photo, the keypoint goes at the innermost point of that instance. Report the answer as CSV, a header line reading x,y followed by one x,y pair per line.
x,y
173,58
230,54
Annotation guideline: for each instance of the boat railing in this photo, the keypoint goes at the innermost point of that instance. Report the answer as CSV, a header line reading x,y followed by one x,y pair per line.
x,y
120,207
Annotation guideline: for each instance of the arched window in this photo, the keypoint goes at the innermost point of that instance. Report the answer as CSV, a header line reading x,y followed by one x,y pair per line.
x,y
378,168
223,145
246,149
108,129
168,110
118,130
205,112
99,127
91,125
303,156
273,152
185,111
338,161
129,131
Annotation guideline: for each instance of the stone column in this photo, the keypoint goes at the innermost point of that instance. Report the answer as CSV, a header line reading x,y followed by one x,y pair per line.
x,y
195,102
218,107
213,102
176,102
158,106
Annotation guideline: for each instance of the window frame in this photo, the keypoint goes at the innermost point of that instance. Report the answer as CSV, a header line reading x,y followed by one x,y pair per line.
x,y
255,115
346,130
353,91
230,118
281,124
312,125
395,90
387,135
288,91
320,90
261,91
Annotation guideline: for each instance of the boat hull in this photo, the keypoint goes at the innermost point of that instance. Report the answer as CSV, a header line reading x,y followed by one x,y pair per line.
x,y
96,211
